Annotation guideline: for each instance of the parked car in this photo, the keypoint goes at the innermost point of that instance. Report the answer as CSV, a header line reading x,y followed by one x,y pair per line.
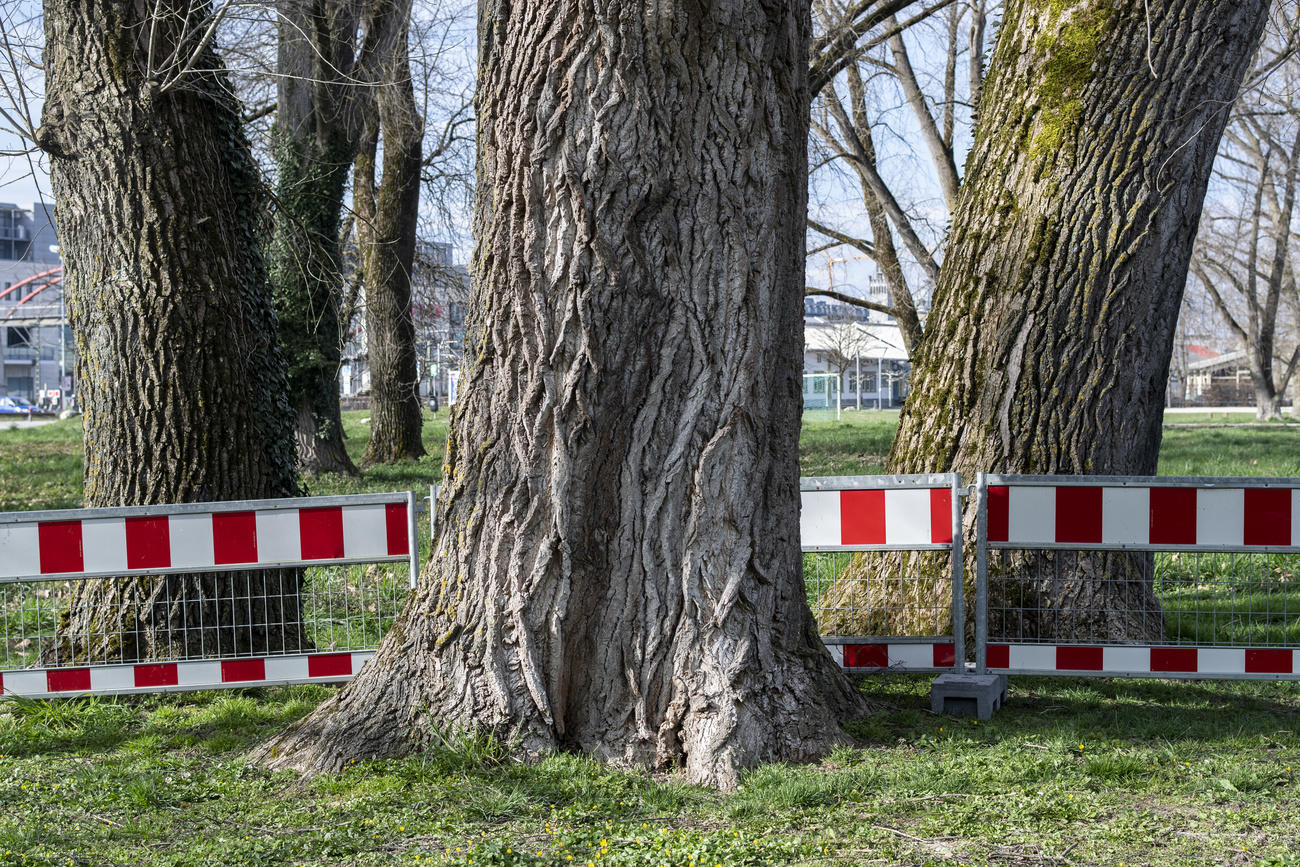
x,y
20,406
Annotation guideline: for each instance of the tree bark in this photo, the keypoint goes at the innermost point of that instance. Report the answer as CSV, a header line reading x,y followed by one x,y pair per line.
x,y
617,569
182,385
1048,347
389,257
313,153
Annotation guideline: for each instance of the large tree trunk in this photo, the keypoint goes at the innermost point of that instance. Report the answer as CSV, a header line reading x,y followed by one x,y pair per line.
x,y
313,154
617,568
388,258
1048,347
182,385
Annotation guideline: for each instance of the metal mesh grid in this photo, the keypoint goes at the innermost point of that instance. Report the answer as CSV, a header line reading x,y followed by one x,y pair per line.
x,y
342,608
1183,598
880,594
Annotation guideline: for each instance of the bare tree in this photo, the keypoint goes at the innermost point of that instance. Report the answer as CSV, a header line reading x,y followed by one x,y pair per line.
x,y
1243,256
878,91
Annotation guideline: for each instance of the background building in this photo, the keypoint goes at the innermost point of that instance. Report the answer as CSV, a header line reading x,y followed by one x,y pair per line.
x,y
863,349
35,343
439,289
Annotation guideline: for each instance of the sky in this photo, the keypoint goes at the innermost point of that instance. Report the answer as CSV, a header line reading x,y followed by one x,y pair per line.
x,y
24,177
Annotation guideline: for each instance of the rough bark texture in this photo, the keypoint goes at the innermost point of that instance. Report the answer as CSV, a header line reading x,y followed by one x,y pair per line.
x,y
1048,347
617,569
313,154
388,253
181,383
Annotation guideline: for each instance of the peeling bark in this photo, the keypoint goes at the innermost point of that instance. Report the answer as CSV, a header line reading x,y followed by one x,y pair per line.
x,y
618,569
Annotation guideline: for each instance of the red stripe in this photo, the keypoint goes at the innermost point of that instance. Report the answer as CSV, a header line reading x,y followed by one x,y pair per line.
x,y
321,532
233,670
1173,516
67,680
866,655
999,514
945,656
941,516
160,674
329,664
60,543
148,543
862,517
1268,516
234,537
1078,659
1078,514
998,655
1268,661
1173,659
398,527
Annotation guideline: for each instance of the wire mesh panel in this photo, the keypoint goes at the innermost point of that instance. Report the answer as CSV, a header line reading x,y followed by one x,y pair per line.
x,y
882,569
235,598
342,608
1144,577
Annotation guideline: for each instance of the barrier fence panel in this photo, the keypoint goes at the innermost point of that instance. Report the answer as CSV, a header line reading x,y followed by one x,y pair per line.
x,y
876,611
235,594
1138,576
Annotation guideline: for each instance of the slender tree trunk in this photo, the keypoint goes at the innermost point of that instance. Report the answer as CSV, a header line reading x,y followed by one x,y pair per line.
x,y
389,257
182,385
313,154
617,570
1048,347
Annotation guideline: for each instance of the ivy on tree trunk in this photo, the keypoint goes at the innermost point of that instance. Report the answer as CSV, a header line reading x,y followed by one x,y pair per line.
x,y
313,150
386,226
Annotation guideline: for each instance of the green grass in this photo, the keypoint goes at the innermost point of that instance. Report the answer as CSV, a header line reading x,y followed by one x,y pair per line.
x,y
40,468
1094,772
1244,416
1070,772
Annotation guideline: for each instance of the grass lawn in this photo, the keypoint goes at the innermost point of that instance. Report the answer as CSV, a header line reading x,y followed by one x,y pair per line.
x,y
1070,772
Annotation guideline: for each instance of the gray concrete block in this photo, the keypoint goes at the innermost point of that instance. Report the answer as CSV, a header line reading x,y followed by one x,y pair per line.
x,y
977,695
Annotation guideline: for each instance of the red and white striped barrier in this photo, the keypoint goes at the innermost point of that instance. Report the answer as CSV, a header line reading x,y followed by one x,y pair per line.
x,y
202,537
1131,661
1143,513
941,656
179,676
887,513
89,543
918,515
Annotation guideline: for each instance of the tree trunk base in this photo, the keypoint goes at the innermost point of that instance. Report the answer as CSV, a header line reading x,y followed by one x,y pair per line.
x,y
731,709
890,594
320,454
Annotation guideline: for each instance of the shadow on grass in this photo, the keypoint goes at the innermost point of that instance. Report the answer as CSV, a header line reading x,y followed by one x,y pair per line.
x,y
1124,709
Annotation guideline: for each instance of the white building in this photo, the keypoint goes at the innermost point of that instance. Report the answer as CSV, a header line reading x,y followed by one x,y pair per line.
x,y
868,361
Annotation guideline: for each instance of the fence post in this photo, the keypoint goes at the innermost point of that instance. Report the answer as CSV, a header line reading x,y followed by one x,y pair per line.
x,y
958,589
413,530
981,574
